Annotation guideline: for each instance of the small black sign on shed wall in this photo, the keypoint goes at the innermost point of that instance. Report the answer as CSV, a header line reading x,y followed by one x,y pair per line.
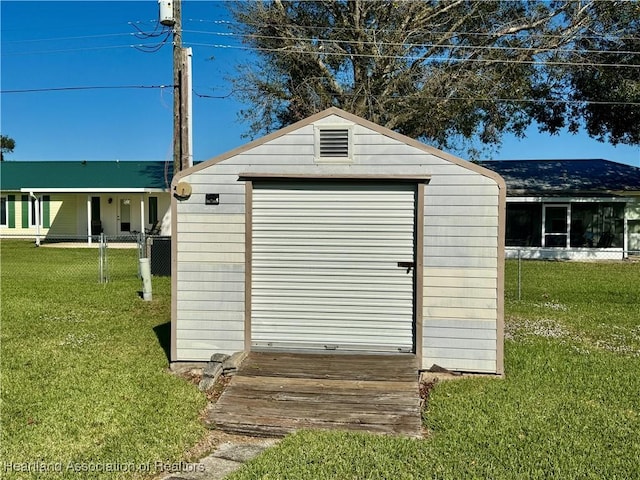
x,y
212,199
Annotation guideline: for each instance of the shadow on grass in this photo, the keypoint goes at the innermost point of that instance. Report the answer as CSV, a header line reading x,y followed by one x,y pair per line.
x,y
163,334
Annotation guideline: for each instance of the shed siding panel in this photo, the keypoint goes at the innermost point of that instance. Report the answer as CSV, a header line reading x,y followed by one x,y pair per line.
x,y
201,285
204,316
464,241
211,275
460,247
460,282
452,349
214,304
463,364
214,335
212,257
458,312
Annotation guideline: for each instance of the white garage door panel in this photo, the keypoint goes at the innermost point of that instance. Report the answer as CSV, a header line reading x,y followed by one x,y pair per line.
x,y
325,269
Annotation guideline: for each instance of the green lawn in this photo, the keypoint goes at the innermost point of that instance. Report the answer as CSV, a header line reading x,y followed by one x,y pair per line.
x,y
83,380
569,406
83,371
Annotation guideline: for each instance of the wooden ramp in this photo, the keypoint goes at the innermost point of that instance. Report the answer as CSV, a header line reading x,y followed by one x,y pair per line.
x,y
277,393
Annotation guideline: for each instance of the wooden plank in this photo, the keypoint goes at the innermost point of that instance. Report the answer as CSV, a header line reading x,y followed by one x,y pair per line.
x,y
318,409
354,361
280,417
315,385
274,394
347,397
261,426
329,367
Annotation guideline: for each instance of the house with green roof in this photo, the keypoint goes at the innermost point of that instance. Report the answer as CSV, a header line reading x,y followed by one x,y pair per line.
x,y
64,200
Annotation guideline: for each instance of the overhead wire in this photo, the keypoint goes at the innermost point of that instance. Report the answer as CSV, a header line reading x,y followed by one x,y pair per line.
x,y
141,34
443,46
455,33
416,57
79,37
153,48
354,95
467,99
84,87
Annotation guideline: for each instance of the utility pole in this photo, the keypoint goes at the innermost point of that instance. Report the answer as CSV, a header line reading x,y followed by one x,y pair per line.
x,y
171,16
182,118
177,86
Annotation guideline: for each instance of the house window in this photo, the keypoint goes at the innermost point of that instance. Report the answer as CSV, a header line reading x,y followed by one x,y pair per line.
x,y
556,225
597,225
34,219
524,225
153,210
3,212
333,144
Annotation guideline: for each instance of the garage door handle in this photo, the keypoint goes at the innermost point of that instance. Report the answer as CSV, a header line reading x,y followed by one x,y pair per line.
x,y
407,265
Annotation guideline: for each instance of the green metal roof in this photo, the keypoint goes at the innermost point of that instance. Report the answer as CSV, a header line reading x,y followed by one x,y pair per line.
x,y
15,176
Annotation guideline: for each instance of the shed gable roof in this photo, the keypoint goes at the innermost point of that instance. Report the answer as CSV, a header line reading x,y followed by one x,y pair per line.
x,y
566,177
65,175
325,118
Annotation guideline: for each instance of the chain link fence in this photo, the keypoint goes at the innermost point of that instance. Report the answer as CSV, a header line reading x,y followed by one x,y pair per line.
x,y
98,258
102,257
520,257
105,258
157,249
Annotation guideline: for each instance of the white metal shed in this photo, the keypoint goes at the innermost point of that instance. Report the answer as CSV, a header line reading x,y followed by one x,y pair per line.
x,y
335,234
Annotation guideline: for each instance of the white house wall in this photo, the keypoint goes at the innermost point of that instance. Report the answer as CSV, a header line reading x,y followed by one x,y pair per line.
x,y
461,312
632,211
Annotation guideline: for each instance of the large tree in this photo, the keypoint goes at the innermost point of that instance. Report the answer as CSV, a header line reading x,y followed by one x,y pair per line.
x,y
451,73
608,98
7,144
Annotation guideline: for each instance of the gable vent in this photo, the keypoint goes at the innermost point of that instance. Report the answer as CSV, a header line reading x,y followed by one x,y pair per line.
x,y
334,142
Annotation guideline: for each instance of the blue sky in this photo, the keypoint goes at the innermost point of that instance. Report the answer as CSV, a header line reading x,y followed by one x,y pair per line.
x,y
51,44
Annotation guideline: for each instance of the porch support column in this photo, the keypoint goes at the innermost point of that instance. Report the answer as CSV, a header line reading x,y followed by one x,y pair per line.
x,y
89,219
625,235
37,219
142,213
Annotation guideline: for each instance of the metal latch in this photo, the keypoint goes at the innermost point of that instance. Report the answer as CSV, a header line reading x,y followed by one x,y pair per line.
x,y
407,265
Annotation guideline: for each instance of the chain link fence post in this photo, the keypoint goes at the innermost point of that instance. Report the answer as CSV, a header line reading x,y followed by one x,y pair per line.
x,y
104,261
519,274
142,250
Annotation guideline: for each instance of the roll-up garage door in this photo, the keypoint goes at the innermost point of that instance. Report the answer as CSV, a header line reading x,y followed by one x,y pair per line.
x,y
332,266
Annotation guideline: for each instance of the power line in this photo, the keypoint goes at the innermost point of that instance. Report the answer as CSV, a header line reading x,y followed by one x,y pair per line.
x,y
455,33
81,37
68,50
155,47
216,97
85,87
443,46
466,99
417,57
403,97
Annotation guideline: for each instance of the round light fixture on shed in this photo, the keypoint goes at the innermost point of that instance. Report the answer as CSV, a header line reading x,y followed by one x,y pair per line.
x,y
183,190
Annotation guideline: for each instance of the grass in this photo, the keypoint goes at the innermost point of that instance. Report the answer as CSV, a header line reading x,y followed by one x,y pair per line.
x,y
568,407
83,366
83,380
